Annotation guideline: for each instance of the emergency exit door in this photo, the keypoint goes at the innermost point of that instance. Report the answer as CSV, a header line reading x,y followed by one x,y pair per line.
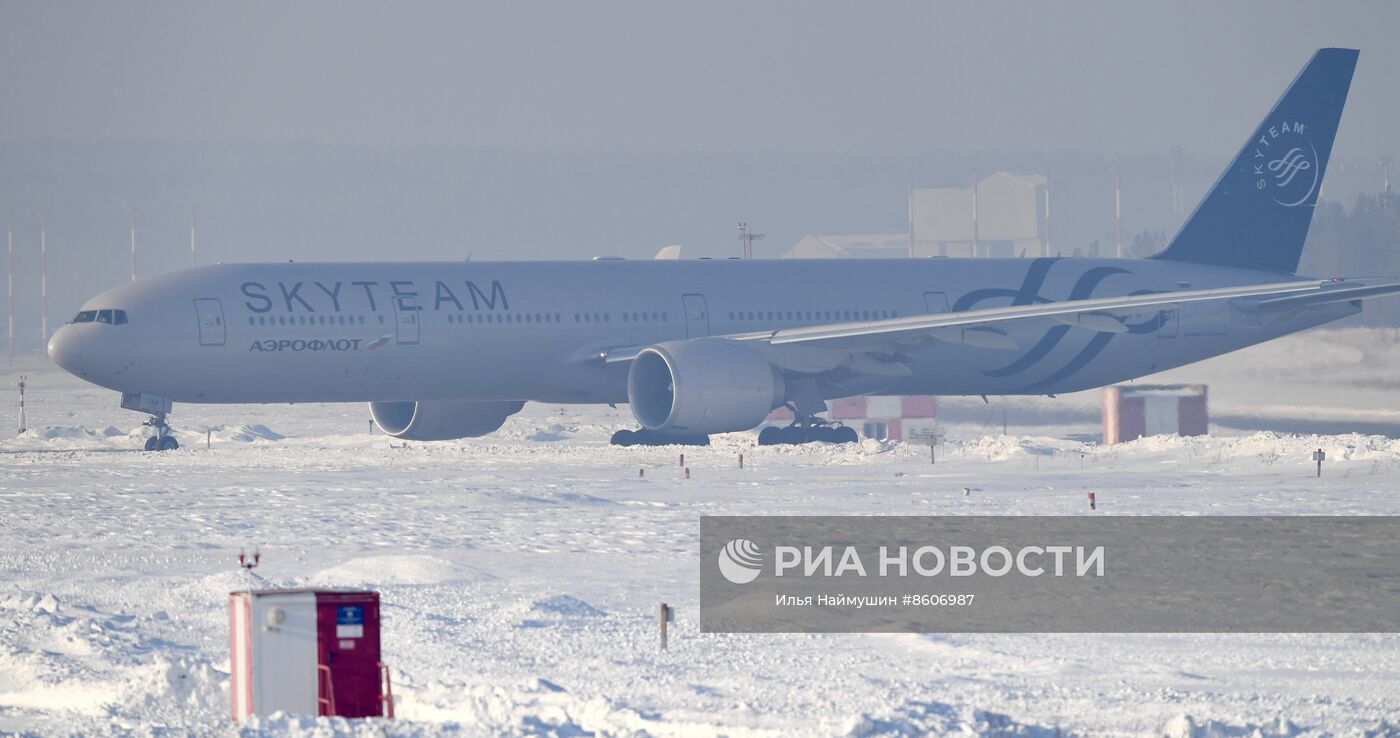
x,y
697,316
210,313
406,320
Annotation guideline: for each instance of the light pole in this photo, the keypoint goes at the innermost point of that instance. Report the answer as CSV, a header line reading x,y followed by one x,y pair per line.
x,y
10,287
43,281
131,221
194,255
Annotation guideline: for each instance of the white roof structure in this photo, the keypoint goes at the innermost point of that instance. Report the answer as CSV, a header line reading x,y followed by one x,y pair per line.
x,y
873,246
1003,214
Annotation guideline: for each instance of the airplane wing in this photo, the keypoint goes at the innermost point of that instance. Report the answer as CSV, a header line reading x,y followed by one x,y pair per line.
x,y
1106,314
988,327
1339,292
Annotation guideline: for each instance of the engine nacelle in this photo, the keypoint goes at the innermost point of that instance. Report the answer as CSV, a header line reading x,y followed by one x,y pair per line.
x,y
702,386
441,420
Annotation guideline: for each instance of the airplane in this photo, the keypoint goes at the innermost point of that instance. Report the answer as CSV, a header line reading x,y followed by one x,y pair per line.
x,y
697,347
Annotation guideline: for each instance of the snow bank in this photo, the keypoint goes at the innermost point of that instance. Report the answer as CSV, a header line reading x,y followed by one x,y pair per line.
x,y
380,570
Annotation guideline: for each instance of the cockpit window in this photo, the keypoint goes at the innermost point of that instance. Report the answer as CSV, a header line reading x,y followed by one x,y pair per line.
x,y
110,317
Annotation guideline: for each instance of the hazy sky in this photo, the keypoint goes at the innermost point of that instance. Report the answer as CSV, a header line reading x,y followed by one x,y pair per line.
x,y
1114,77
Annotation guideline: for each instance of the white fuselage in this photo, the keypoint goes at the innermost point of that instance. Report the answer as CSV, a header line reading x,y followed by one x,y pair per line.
x,y
345,332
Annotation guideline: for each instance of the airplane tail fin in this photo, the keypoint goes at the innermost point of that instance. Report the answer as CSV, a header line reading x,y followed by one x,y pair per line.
x,y
1257,214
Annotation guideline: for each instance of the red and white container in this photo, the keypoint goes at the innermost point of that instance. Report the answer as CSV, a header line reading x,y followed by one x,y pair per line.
x,y
307,651
1131,411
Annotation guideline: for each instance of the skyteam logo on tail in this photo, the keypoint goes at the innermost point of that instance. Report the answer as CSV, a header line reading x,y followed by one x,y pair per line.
x,y
379,342
1286,164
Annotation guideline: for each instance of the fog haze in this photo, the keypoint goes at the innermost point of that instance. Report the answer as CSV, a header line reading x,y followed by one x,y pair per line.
x,y
321,130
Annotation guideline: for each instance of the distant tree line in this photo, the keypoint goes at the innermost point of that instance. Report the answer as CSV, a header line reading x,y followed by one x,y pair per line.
x,y
1361,242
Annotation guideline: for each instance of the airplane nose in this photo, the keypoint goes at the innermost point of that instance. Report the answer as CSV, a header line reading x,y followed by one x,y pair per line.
x,y
66,349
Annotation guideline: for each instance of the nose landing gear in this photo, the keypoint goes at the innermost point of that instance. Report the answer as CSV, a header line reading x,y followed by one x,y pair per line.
x,y
157,408
162,440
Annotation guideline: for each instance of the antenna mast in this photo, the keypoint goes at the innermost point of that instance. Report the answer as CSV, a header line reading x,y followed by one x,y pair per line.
x,y
747,238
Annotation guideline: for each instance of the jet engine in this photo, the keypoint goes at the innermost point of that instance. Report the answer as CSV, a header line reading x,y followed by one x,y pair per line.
x,y
702,386
441,420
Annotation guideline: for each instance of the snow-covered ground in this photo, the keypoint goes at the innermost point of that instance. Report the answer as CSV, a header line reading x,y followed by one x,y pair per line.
x,y
521,572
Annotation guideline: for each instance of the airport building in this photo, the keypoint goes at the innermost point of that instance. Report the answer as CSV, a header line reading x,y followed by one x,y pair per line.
x,y
1002,215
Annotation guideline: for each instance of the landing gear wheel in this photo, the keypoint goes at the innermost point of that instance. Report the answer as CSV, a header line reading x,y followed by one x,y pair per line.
x,y
152,443
813,431
648,437
168,443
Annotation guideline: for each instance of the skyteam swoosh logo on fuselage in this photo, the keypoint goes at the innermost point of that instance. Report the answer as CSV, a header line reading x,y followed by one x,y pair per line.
x,y
1028,293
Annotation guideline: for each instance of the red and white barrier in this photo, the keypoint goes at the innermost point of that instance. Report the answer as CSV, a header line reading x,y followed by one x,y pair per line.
x,y
1133,411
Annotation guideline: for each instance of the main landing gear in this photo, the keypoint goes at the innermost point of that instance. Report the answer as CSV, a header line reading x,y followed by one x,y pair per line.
x,y
158,408
809,430
805,401
647,437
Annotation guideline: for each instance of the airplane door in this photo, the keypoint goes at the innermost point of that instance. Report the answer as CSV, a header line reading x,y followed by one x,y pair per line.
x,y
210,313
1171,323
697,316
935,302
406,320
